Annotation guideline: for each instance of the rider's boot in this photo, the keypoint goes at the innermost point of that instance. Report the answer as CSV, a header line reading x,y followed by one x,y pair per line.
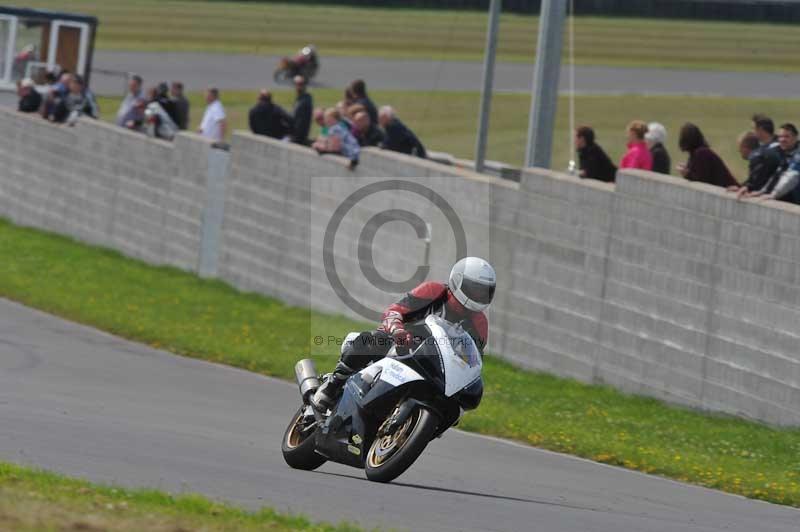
x,y
325,396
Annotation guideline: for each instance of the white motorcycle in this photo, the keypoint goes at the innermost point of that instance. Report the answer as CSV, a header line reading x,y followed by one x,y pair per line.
x,y
389,411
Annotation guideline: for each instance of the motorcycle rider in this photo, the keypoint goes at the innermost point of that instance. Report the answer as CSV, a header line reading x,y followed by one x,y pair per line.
x,y
467,293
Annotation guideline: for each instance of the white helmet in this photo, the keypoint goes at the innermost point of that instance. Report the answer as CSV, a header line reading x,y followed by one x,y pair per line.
x,y
472,281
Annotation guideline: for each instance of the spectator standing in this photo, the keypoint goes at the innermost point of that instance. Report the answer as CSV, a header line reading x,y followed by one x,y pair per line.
x,y
704,164
181,105
656,138
762,163
783,184
62,85
269,119
134,119
366,133
30,101
397,136
637,156
593,162
764,128
359,91
79,101
167,103
134,93
301,114
54,108
339,139
157,121
214,121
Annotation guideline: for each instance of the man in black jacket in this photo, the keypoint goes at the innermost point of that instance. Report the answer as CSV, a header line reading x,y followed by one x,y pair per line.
x,y
783,184
181,105
303,108
366,133
267,118
30,101
762,162
398,137
359,91
594,163
764,128
169,105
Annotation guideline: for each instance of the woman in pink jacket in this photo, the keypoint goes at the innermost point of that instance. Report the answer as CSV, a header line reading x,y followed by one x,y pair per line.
x,y
638,155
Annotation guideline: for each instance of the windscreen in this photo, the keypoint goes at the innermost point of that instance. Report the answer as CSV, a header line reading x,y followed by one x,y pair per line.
x,y
465,349
462,343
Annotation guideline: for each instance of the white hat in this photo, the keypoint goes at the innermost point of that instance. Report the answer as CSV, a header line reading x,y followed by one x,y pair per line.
x,y
656,133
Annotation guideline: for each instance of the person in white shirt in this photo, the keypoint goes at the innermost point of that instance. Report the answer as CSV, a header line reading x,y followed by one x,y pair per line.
x,y
134,93
214,120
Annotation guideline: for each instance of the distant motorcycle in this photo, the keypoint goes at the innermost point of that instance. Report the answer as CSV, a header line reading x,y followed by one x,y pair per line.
x,y
305,63
390,410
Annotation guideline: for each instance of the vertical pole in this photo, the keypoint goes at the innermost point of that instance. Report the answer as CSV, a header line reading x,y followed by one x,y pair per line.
x,y
211,226
544,96
488,79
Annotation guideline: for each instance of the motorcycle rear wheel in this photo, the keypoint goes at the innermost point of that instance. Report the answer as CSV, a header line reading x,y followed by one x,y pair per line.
x,y
297,448
389,456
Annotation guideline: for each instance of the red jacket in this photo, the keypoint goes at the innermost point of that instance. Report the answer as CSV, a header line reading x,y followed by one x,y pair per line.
x,y
637,156
435,298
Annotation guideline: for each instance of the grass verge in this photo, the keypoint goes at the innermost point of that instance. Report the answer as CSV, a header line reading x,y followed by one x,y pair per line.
x,y
447,121
36,500
174,310
282,28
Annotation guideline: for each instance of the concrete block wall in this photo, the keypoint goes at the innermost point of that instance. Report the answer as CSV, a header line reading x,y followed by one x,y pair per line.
x,y
280,198
654,285
106,186
669,289
713,283
550,244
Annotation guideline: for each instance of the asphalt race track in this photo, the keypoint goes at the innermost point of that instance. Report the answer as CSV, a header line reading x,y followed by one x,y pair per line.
x,y
228,71
88,404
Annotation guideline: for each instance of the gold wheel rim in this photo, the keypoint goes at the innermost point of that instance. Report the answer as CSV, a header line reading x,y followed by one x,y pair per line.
x,y
293,439
384,448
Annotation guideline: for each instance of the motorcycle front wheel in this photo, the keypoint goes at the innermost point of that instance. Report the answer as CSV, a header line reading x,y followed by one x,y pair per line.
x,y
298,444
390,455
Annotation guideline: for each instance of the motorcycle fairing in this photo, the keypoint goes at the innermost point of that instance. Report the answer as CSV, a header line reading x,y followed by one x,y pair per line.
x,y
460,357
392,372
366,401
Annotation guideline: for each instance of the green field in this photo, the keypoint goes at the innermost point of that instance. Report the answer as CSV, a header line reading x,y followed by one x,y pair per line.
x,y
446,121
174,310
32,500
281,28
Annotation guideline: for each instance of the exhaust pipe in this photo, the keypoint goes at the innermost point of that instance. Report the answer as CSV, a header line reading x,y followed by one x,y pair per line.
x,y
307,379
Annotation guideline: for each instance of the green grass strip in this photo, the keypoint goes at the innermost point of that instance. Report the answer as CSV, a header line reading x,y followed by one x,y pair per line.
x,y
177,311
281,28
31,499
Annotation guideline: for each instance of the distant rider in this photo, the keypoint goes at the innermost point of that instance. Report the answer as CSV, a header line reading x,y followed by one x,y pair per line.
x,y
463,298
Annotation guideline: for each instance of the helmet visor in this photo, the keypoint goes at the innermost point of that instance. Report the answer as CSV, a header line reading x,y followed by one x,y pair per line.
x,y
478,292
